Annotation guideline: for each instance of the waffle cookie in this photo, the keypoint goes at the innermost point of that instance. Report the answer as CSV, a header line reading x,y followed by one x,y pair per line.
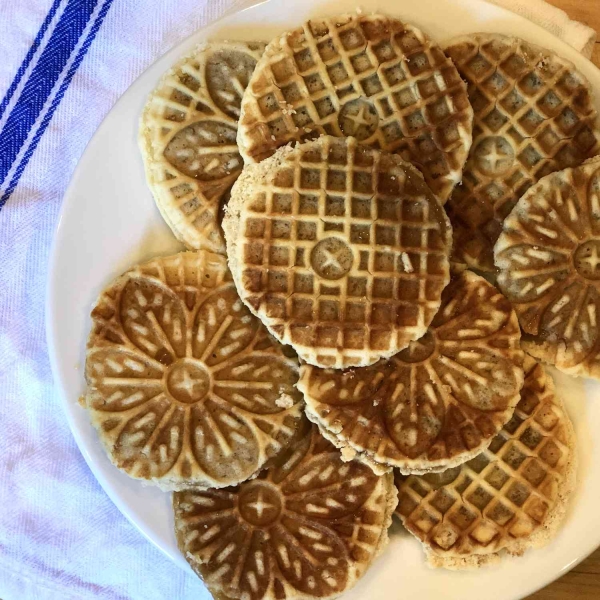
x,y
340,249
371,77
185,387
307,527
187,138
549,260
511,497
436,404
533,115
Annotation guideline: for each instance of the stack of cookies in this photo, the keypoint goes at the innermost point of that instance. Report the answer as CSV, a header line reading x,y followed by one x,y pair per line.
x,y
327,352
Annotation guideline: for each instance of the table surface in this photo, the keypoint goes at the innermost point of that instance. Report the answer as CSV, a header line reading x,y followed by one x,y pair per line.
x,y
583,582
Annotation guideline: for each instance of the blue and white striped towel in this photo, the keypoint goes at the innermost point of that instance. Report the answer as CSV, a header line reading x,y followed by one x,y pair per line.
x,y
64,63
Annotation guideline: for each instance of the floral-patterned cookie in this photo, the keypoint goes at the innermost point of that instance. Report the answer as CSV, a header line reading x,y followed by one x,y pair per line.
x,y
436,404
307,527
185,387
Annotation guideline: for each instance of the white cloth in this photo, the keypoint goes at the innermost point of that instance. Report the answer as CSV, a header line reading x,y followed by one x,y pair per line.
x,y
556,21
60,536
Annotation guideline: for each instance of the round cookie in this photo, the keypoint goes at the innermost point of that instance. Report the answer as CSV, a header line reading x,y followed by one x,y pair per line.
x,y
436,404
341,250
308,527
549,258
371,77
185,387
533,115
187,138
510,498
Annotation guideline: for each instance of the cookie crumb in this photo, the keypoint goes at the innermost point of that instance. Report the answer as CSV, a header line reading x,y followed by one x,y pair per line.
x,y
406,262
284,401
348,454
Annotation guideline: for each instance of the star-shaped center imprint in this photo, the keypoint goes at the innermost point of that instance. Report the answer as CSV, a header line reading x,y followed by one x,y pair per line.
x,y
187,381
587,259
593,260
260,506
186,384
493,156
259,503
358,118
331,258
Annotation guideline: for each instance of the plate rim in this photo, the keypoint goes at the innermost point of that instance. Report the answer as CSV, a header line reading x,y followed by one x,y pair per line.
x,y
50,326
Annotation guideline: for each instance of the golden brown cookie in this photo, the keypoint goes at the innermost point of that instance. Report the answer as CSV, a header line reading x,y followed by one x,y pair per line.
x,y
511,497
533,115
549,261
341,250
436,404
187,138
371,77
185,387
307,527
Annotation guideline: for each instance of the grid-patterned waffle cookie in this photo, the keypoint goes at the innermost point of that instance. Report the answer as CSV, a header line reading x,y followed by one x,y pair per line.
x,y
185,387
188,138
533,115
340,249
308,527
549,260
368,76
511,497
436,404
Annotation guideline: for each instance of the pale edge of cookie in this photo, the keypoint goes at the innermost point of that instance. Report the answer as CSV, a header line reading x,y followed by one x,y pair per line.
x,y
350,452
231,221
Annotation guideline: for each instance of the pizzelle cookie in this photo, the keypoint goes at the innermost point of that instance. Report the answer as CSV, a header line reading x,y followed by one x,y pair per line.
x,y
549,260
185,387
436,404
533,115
371,77
341,250
510,498
307,527
187,138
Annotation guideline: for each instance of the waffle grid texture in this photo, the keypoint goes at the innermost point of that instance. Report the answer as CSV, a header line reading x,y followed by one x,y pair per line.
x,y
367,76
187,138
341,250
185,387
511,497
534,115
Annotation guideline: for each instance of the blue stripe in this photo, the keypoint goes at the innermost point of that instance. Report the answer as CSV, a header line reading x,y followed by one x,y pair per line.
x,y
59,95
29,56
42,80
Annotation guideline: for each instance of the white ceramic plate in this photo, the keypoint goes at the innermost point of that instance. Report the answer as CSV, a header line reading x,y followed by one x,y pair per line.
x,y
109,222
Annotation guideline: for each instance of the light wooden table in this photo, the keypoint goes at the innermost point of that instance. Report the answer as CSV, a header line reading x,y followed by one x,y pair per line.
x,y
583,582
